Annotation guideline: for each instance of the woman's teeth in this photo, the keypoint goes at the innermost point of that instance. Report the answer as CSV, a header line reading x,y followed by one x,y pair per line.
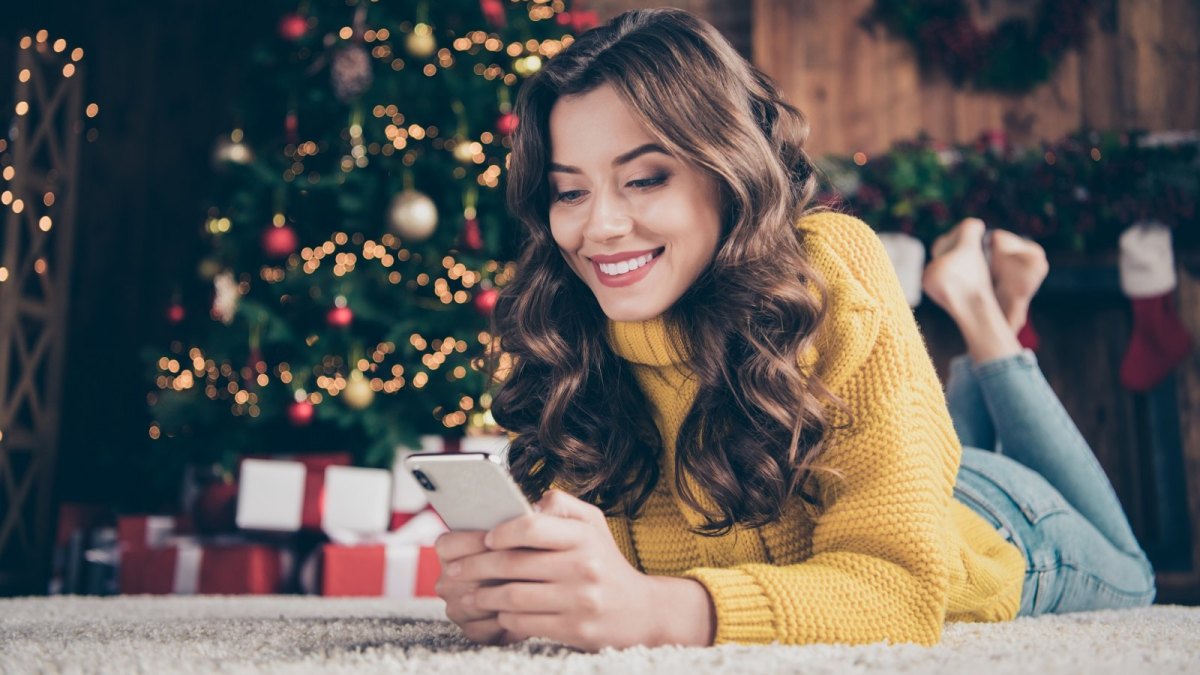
x,y
626,265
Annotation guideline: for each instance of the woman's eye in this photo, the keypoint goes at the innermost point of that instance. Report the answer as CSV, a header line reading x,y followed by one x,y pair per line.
x,y
648,182
565,196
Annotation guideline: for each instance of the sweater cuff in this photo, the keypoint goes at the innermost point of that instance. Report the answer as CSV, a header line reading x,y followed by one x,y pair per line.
x,y
743,610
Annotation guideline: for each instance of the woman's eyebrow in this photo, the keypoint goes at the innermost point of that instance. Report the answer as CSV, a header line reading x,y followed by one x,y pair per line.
x,y
621,159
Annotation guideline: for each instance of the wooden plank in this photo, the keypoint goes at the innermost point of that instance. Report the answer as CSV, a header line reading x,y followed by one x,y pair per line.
x,y
1188,392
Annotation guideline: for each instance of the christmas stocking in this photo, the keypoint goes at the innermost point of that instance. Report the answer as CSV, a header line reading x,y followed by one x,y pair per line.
x,y
907,254
1160,342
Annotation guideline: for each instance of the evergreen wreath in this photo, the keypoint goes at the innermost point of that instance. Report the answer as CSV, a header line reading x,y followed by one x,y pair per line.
x,y
1013,58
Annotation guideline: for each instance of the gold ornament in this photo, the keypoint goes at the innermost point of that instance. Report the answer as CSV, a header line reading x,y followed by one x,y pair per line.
x,y
358,393
528,65
420,42
413,215
464,151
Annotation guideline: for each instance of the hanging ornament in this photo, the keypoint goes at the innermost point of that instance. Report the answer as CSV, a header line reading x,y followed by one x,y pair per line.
x,y
175,313
230,150
279,240
413,215
340,315
225,297
485,300
420,42
506,124
472,237
293,27
493,12
358,393
300,410
527,65
351,72
291,127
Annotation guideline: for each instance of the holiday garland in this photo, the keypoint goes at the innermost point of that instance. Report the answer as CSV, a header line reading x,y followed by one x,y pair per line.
x,y
1077,194
1013,58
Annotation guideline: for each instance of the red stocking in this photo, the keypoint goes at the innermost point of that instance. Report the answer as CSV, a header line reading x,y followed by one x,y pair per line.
x,y
1160,342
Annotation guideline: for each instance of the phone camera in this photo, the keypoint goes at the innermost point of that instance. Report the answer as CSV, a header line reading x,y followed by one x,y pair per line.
x,y
423,480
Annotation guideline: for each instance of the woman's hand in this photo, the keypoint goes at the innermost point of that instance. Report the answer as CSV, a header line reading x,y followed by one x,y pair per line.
x,y
562,577
479,626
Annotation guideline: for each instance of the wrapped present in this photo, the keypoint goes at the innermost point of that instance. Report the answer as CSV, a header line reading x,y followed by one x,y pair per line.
x,y
402,564
287,496
408,499
188,566
80,527
149,531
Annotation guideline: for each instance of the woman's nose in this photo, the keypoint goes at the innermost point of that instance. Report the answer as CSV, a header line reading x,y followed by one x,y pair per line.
x,y
609,217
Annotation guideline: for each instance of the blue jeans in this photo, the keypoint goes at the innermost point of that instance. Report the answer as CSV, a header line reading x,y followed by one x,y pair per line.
x,y
1027,470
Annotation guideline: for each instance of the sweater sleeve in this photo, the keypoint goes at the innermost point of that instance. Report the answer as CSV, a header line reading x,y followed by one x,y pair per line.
x,y
877,569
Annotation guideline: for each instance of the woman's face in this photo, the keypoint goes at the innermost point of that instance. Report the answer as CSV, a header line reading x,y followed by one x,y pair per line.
x,y
636,224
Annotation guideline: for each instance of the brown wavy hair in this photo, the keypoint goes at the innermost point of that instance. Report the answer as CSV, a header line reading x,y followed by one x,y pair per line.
x,y
757,425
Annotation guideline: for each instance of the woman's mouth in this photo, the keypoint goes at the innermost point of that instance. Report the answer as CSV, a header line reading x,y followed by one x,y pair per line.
x,y
626,272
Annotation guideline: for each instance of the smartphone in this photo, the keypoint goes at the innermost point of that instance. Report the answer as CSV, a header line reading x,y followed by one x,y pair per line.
x,y
470,490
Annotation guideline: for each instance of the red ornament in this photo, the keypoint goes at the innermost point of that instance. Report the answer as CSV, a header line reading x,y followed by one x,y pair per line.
x,y
216,507
579,21
339,317
506,124
279,242
493,11
472,238
291,127
485,300
176,313
293,27
300,413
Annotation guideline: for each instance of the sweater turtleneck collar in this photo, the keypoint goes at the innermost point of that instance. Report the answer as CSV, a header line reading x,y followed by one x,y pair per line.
x,y
646,342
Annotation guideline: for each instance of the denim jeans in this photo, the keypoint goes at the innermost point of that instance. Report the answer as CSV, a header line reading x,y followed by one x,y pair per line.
x,y
1029,472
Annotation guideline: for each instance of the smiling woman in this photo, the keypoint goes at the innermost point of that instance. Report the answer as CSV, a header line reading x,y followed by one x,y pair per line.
x,y
717,396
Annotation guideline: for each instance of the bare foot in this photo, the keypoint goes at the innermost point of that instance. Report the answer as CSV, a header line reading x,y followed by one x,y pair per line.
x,y
1018,267
958,275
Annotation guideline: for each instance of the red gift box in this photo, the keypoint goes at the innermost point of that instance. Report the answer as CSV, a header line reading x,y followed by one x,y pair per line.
x,y
404,571
188,567
149,531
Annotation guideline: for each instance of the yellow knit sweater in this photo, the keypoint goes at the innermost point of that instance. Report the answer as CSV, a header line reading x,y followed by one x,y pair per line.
x,y
894,555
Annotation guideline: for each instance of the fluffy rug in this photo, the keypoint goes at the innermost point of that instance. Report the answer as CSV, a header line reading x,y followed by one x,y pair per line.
x,y
308,634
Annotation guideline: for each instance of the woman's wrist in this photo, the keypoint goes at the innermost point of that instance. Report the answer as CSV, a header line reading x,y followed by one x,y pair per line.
x,y
683,612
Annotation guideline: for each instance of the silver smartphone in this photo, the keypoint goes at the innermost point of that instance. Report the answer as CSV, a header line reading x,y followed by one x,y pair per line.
x,y
470,490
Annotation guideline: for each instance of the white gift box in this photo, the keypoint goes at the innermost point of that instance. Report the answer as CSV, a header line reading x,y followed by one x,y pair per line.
x,y
280,496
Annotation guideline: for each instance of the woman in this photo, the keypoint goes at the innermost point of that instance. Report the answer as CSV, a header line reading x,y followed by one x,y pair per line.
x,y
721,401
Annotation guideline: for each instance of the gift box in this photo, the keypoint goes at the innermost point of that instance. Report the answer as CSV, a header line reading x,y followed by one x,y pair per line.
x,y
187,566
287,496
149,531
80,527
401,564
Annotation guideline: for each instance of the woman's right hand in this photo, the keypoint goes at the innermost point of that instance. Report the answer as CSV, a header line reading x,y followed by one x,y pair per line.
x,y
479,626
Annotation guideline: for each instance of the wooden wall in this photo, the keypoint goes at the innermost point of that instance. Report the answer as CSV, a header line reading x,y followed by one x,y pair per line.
x,y
1140,69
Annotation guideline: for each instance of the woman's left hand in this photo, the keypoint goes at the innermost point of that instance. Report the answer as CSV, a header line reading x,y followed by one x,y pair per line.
x,y
566,580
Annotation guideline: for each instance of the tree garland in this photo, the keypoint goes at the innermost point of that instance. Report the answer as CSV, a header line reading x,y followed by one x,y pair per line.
x,y
1013,58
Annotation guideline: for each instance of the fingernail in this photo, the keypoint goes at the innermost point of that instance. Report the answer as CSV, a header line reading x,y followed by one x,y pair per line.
x,y
453,569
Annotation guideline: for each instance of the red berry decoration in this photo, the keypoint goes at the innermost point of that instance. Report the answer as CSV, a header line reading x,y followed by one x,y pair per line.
x,y
293,27
279,242
339,317
176,313
472,238
485,300
506,124
300,413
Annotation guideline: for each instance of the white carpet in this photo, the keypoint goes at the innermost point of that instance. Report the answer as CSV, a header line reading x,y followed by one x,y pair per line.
x,y
293,634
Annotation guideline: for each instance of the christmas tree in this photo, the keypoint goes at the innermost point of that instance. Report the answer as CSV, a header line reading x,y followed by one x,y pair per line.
x,y
359,237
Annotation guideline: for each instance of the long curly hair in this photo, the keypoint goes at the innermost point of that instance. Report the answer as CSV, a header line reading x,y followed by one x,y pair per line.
x,y
759,420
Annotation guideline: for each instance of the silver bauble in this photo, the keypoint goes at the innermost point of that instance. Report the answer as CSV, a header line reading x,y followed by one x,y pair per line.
x,y
413,216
